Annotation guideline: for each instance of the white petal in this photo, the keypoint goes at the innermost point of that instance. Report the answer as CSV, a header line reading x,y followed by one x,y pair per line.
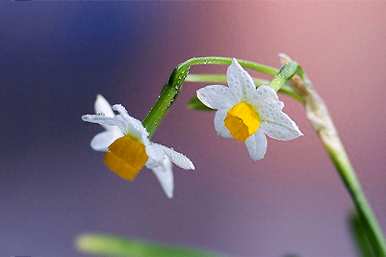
x,y
219,124
133,125
239,81
279,126
216,96
266,101
102,106
155,153
133,121
102,140
257,145
177,158
105,121
164,174
265,94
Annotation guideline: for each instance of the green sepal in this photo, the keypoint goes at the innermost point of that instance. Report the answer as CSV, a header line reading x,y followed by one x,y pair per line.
x,y
195,104
286,72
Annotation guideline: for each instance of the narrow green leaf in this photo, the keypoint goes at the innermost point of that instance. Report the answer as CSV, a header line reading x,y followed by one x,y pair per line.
x,y
119,247
358,233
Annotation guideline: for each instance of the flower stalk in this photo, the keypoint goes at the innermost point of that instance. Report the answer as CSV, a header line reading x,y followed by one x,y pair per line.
x,y
299,88
285,89
318,115
171,90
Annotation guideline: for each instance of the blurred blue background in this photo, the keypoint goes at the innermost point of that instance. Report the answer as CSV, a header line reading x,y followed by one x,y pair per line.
x,y
55,56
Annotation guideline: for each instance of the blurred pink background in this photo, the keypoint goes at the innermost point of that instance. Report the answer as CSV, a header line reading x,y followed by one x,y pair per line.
x,y
56,56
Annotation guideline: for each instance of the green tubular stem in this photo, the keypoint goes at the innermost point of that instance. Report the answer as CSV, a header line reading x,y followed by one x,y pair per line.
x,y
216,78
227,61
213,78
342,164
221,78
318,115
358,233
171,90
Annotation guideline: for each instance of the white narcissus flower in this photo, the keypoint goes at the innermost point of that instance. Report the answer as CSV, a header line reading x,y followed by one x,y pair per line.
x,y
128,148
248,114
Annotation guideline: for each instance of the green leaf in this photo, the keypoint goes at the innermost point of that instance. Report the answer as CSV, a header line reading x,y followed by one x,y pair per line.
x,y
358,233
116,246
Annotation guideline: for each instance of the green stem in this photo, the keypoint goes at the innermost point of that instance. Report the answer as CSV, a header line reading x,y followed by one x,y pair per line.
x,y
317,114
173,87
216,78
321,120
359,236
339,158
265,69
286,89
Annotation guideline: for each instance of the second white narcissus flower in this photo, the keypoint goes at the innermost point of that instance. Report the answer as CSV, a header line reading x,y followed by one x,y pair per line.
x,y
128,148
248,114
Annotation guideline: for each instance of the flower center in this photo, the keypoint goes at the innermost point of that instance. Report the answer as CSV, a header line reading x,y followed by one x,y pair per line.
x,y
242,121
126,157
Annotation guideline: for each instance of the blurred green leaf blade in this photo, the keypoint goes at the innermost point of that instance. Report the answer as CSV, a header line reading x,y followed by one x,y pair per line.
x,y
107,245
358,233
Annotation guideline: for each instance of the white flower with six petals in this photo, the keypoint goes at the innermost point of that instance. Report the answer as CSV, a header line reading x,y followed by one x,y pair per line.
x,y
248,114
128,148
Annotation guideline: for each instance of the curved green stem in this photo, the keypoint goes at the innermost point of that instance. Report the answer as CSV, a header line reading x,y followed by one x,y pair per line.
x,y
343,165
215,78
265,69
318,115
171,90
286,89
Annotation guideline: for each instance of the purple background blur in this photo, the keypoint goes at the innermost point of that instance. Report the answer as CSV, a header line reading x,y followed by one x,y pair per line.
x,y
56,56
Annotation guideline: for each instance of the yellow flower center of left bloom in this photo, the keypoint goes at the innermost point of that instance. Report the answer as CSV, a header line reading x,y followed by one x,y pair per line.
x,y
242,121
126,157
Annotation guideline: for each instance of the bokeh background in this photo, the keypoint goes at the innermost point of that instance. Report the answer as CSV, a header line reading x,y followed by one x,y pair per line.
x,y
56,56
